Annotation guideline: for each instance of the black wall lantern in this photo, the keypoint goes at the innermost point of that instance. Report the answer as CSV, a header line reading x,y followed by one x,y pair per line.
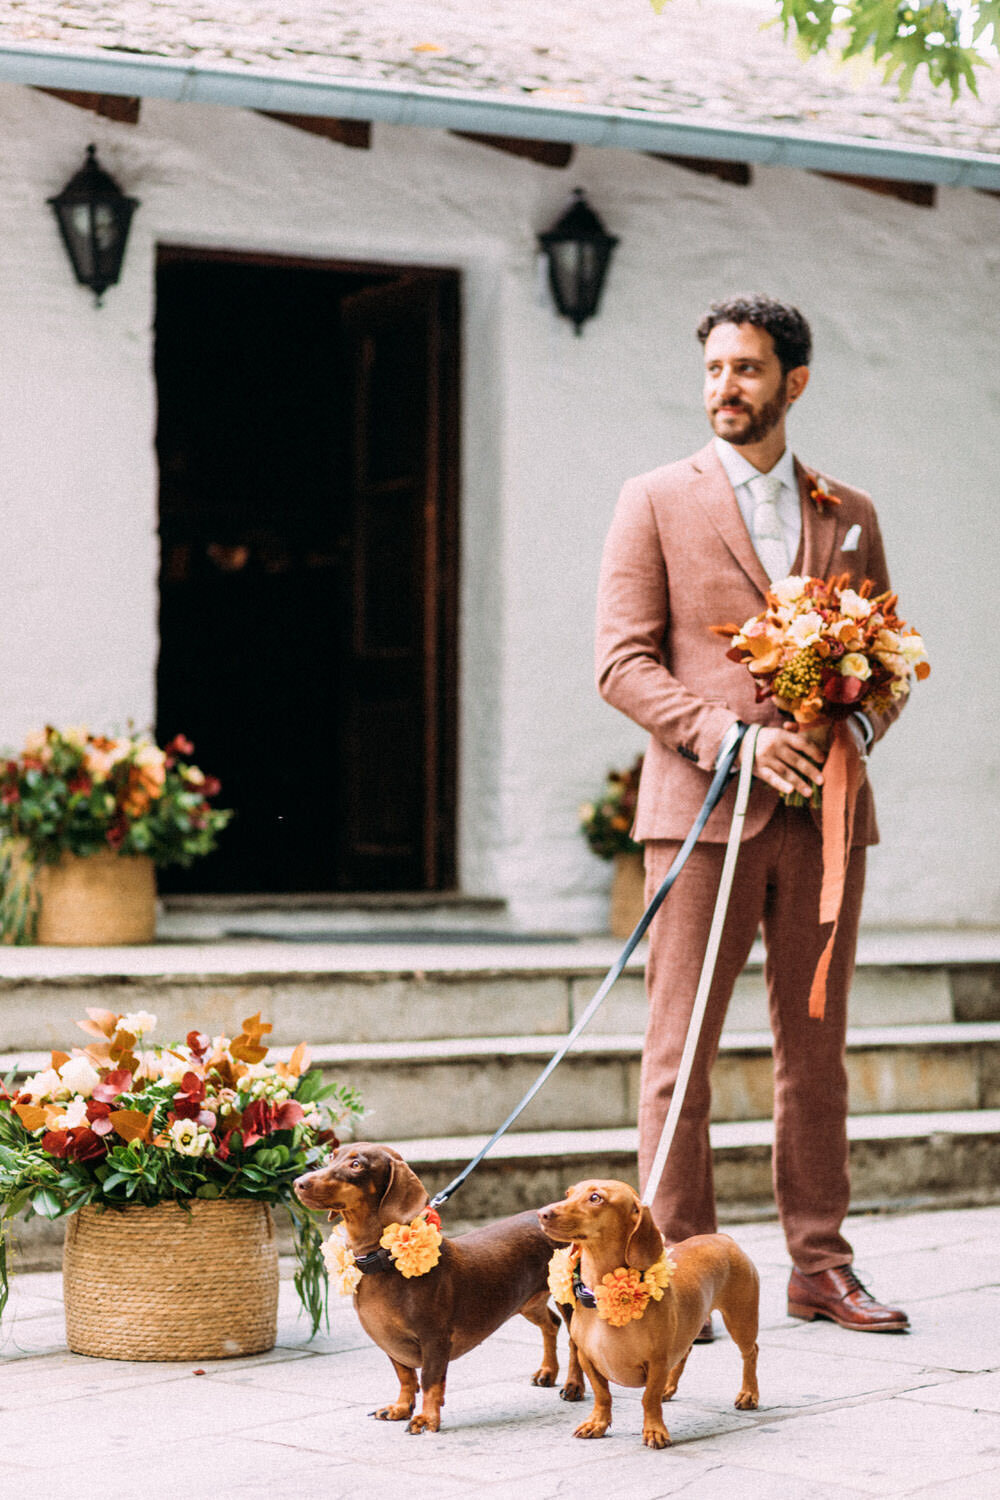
x,y
94,217
578,249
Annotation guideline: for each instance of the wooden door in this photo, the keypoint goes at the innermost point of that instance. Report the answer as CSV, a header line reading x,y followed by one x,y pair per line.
x,y
307,440
399,724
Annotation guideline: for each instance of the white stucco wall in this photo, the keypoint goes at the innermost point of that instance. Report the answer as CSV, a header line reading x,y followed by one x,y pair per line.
x,y
904,401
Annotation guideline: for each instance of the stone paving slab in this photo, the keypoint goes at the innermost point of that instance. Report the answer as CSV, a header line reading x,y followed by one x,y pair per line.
x,y
842,1415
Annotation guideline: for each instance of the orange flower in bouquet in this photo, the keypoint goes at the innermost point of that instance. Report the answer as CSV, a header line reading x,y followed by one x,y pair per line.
x,y
820,651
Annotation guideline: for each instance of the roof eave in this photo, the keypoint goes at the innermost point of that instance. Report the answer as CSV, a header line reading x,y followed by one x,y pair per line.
x,y
290,92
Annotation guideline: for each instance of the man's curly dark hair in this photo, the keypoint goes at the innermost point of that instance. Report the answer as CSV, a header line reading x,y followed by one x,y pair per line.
x,y
786,325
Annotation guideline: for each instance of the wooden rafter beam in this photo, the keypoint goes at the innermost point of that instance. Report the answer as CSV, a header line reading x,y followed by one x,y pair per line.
x,y
923,194
121,107
546,153
354,133
738,172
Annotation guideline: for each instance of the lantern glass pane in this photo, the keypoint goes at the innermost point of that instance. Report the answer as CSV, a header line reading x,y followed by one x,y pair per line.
x,y
76,219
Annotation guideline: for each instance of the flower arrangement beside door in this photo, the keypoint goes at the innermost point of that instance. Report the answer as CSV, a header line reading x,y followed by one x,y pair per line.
x,y
606,824
84,819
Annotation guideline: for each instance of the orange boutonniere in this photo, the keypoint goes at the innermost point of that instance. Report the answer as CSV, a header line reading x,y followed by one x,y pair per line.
x,y
820,496
415,1248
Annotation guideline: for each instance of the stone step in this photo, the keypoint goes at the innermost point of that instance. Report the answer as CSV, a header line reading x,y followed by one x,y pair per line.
x,y
937,1158
358,992
471,1084
468,1085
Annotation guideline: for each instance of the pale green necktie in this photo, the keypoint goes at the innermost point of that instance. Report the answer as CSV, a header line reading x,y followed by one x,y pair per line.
x,y
768,536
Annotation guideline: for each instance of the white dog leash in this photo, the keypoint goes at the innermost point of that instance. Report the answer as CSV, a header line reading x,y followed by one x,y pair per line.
x,y
724,769
749,750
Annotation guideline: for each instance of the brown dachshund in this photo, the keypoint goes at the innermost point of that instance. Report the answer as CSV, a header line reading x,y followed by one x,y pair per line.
x,y
613,1230
424,1321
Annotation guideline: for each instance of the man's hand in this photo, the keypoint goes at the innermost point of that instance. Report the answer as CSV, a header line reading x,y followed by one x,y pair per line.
x,y
789,760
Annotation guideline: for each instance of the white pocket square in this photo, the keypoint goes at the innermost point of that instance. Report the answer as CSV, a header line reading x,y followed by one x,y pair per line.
x,y
851,540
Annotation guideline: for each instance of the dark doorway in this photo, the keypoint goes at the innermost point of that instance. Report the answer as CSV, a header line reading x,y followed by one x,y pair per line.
x,y
307,442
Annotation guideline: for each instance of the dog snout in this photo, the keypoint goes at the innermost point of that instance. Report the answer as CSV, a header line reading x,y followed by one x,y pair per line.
x,y
304,1186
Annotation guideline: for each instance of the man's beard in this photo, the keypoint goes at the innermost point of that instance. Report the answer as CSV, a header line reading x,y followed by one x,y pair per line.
x,y
763,421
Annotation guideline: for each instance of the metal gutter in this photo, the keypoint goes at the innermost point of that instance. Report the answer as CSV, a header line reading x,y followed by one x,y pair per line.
x,y
290,92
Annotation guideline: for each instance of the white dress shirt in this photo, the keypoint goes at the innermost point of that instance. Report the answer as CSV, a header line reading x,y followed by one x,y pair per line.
x,y
740,471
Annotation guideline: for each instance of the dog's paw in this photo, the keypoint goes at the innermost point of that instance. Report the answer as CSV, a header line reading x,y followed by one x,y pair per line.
x,y
746,1401
421,1423
398,1412
593,1427
655,1437
572,1391
545,1376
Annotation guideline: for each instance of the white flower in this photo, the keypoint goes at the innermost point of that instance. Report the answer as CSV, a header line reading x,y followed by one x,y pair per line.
x,y
189,1138
76,1114
788,590
853,664
340,1263
911,646
854,606
807,629
44,1085
137,1023
80,1076
172,1068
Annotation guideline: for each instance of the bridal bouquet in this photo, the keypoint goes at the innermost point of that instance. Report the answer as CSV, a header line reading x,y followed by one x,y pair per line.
x,y
821,650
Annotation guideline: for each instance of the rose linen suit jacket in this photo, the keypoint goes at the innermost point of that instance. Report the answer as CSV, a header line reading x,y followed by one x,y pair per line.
x,y
677,561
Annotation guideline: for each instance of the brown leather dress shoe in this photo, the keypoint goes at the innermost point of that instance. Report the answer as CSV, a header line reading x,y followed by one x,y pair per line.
x,y
707,1334
837,1294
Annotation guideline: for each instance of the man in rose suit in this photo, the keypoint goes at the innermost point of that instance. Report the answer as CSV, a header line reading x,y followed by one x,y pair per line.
x,y
692,545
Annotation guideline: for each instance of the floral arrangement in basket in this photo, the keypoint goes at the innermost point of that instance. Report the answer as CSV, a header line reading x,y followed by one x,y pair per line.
x,y
70,791
606,823
121,1121
820,650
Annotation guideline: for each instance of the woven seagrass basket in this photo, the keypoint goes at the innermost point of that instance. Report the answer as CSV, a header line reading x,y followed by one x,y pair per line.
x,y
103,900
195,1281
628,900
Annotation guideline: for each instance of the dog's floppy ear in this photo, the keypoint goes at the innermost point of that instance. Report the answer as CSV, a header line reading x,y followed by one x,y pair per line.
x,y
645,1243
405,1195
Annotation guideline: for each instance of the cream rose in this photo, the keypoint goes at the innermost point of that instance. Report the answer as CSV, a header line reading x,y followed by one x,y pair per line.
x,y
855,665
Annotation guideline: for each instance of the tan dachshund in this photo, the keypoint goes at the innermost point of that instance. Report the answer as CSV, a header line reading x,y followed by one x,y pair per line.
x,y
424,1321
613,1230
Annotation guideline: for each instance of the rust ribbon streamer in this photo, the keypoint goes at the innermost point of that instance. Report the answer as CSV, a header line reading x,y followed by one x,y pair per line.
x,y
841,780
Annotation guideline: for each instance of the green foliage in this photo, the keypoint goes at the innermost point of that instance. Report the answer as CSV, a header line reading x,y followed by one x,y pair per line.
x,y
310,1278
943,36
18,902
